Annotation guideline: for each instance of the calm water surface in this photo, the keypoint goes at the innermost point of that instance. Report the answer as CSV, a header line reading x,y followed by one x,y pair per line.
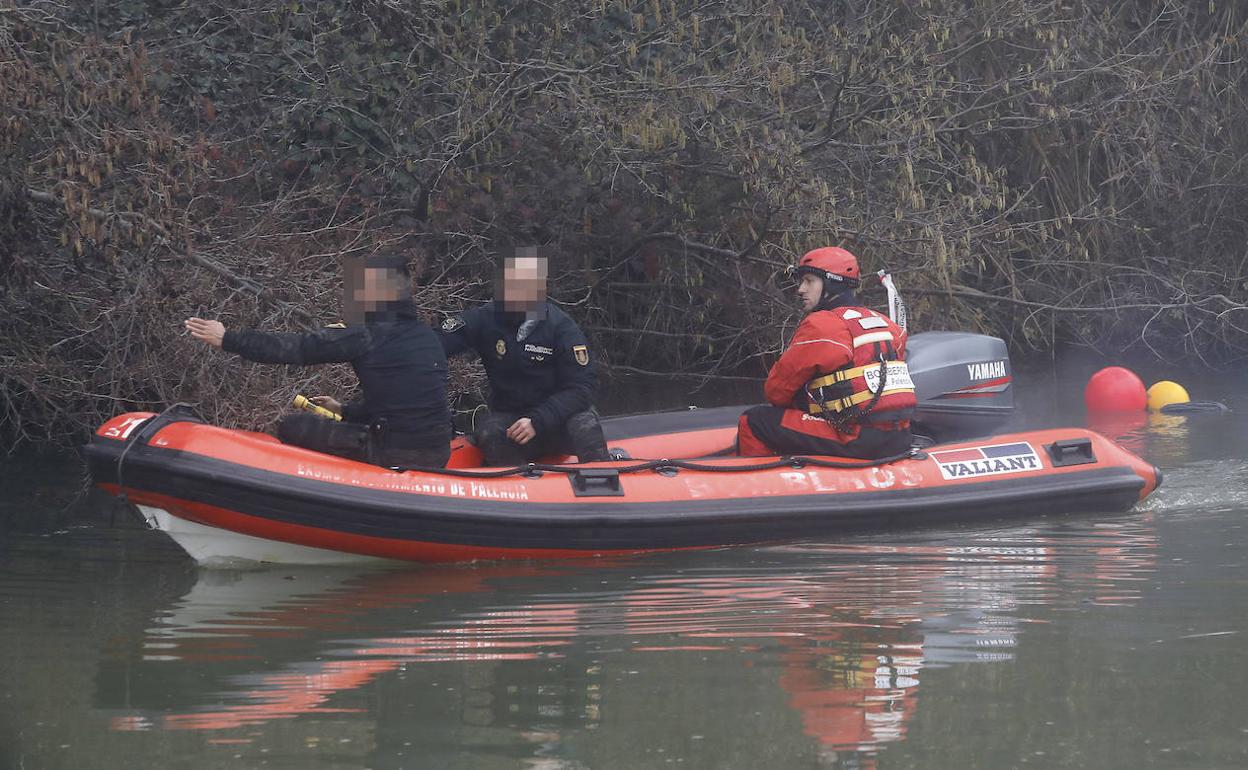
x,y
1097,641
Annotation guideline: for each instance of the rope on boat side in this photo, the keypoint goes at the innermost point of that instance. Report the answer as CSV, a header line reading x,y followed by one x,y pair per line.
x,y
140,432
536,469
796,461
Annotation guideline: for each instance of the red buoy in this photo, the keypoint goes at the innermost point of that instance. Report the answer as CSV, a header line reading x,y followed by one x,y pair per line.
x,y
1115,389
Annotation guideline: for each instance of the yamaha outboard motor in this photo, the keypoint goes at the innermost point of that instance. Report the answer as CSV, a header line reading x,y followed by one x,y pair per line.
x,y
963,383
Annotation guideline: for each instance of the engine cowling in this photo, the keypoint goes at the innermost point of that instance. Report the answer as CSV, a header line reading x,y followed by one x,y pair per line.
x,y
963,382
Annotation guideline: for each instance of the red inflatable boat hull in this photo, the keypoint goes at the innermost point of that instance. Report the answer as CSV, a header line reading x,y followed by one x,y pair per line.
x,y
214,483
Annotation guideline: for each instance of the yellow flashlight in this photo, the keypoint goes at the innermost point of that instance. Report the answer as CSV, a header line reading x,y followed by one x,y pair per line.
x,y
301,402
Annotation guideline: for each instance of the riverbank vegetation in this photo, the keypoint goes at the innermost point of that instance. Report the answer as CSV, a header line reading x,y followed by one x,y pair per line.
x,y
1053,173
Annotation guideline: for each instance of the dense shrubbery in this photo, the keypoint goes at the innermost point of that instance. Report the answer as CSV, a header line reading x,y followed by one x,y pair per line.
x,y
1049,172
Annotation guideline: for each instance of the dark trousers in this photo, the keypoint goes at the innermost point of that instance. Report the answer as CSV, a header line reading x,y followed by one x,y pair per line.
x,y
357,441
772,430
581,435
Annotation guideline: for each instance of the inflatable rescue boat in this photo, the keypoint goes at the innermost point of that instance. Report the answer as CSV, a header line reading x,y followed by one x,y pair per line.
x,y
228,495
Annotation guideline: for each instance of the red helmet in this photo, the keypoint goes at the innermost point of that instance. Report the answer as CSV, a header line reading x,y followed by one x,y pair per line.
x,y
836,266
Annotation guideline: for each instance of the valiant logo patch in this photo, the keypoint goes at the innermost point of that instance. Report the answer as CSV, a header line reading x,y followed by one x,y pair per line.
x,y
451,324
581,354
986,370
995,460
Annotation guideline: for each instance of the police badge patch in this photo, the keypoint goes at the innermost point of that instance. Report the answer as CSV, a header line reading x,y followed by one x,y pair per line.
x,y
500,348
452,323
581,354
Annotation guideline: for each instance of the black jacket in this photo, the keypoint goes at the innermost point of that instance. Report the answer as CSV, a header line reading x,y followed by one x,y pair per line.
x,y
546,376
401,367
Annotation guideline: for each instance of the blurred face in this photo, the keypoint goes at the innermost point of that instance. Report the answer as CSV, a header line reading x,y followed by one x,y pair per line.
x,y
809,291
369,289
523,283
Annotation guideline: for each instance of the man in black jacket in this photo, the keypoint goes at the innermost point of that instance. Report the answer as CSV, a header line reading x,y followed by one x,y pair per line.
x,y
542,382
402,418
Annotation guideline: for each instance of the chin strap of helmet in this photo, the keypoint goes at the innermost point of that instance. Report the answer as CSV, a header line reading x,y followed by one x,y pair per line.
x,y
843,297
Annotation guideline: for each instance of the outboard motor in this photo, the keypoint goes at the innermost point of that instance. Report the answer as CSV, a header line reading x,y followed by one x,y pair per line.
x,y
963,384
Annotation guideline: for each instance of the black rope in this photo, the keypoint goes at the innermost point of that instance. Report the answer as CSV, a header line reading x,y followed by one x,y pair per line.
x,y
136,435
857,413
536,469
794,461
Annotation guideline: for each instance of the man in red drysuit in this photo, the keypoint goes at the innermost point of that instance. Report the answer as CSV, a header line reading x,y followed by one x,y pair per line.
x,y
842,387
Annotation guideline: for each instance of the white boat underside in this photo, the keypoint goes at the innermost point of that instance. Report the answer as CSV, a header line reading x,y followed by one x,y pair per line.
x,y
215,547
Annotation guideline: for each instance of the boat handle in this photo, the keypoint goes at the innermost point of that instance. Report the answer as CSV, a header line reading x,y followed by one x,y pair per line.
x,y
1073,451
596,482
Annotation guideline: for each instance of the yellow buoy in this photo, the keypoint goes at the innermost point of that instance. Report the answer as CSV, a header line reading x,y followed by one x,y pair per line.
x,y
1165,393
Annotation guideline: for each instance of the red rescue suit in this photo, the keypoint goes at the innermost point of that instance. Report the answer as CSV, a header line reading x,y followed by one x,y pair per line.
x,y
825,392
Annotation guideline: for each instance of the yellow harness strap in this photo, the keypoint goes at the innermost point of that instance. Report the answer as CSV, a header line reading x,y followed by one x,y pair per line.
x,y
841,375
841,404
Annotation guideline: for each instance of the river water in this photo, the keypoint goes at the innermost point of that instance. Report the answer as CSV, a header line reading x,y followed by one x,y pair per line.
x,y
1094,641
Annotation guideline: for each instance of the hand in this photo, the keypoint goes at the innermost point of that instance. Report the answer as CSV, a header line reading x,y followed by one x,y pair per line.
x,y
521,431
212,332
328,402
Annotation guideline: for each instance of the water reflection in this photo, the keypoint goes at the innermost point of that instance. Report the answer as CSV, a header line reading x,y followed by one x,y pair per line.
x,y
826,641
1128,429
1164,439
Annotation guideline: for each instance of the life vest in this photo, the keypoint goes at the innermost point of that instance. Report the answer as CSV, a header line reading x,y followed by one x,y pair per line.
x,y
874,386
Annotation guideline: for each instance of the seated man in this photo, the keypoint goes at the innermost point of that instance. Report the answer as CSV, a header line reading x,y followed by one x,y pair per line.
x,y
542,383
402,418
842,387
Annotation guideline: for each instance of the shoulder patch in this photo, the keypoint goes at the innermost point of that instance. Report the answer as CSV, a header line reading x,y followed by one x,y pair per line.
x,y
873,322
452,323
581,354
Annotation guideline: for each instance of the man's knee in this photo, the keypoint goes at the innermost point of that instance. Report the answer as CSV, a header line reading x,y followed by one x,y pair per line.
x,y
584,432
301,429
432,457
748,442
345,439
581,435
494,422
490,436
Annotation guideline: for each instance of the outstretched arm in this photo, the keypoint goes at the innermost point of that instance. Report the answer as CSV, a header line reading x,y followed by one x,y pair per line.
x,y
211,332
323,346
